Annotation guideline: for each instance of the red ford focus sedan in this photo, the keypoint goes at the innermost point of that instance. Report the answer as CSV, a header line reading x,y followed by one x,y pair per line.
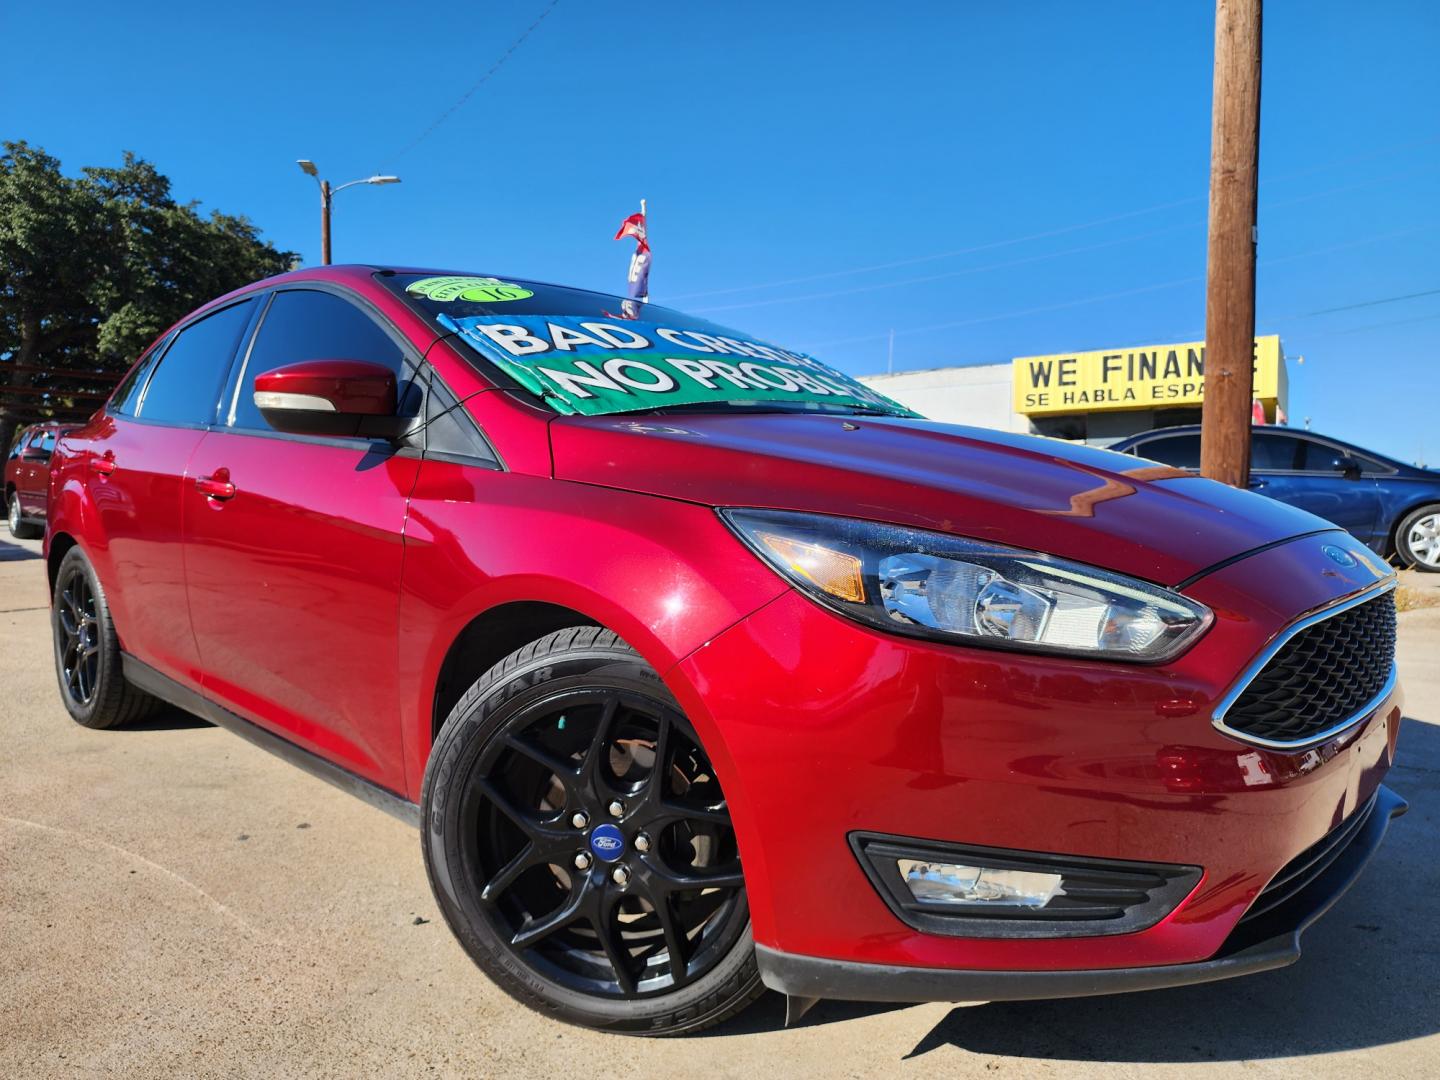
x,y
703,668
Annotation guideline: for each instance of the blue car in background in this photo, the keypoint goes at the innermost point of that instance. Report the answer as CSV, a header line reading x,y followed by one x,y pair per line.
x,y
1393,509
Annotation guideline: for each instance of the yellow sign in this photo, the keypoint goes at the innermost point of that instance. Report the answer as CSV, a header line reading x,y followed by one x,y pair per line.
x,y
1146,377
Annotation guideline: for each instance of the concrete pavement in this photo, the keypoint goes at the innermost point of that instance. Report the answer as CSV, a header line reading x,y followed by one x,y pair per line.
x,y
174,901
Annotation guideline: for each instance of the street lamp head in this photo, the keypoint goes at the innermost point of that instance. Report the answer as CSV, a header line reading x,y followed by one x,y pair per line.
x,y
307,167
383,180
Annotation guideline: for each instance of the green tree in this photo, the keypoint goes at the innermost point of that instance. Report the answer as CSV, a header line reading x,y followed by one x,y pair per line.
x,y
93,268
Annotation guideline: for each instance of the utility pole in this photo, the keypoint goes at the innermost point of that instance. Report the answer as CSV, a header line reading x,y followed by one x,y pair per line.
x,y
324,222
1230,288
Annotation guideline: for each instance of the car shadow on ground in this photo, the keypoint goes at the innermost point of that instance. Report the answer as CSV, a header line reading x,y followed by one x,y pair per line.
x,y
1369,976
168,718
13,552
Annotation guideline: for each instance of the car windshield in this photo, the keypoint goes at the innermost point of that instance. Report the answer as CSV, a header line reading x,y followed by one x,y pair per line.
x,y
593,354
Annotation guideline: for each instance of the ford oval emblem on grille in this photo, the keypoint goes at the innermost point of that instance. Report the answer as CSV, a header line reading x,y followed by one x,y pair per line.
x,y
607,842
1339,555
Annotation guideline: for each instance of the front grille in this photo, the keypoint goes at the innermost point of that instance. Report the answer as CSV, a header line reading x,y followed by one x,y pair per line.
x,y
1320,679
1309,864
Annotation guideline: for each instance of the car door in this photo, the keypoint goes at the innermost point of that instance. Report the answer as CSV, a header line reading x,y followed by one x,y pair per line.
x,y
20,468
35,499
138,483
293,568
1298,470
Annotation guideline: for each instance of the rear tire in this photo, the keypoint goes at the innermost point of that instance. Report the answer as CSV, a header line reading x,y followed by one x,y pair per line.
x,y
1417,540
20,529
88,663
583,919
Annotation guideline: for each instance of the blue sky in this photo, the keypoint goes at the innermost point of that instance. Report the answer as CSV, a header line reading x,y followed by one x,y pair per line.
x,y
986,180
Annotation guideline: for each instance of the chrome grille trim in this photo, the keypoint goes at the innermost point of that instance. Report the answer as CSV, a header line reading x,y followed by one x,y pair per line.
x,y
1268,654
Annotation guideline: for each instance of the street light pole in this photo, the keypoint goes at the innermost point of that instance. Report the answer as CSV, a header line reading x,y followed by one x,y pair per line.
x,y
327,195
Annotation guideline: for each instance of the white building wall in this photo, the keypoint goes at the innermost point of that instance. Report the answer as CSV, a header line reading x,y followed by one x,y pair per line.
x,y
979,396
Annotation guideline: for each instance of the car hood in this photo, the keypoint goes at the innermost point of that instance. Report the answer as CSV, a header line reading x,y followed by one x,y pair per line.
x,y
1106,509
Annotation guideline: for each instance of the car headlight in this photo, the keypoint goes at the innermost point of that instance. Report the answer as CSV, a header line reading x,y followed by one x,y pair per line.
x,y
948,588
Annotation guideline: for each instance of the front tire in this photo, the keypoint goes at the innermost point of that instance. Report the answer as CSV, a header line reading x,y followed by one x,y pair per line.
x,y
20,529
1417,540
87,651
579,845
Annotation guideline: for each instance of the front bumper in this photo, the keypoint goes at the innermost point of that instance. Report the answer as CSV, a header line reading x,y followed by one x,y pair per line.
x,y
821,729
1274,942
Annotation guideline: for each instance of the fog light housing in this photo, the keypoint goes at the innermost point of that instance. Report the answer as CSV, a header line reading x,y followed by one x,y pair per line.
x,y
966,890
955,883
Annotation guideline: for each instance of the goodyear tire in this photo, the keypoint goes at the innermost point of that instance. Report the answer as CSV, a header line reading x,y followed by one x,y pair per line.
x,y
87,651
579,846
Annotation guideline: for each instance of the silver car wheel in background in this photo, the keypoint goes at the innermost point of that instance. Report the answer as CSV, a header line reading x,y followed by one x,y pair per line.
x,y
1423,539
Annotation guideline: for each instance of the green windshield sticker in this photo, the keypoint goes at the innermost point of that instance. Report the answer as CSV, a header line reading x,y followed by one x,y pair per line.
x,y
597,367
480,290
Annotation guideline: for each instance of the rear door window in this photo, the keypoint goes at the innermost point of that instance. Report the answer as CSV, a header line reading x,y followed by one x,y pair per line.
x,y
1180,451
186,384
1319,457
127,394
1276,453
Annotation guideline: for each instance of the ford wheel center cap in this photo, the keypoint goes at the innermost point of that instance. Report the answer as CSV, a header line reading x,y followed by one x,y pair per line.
x,y
607,842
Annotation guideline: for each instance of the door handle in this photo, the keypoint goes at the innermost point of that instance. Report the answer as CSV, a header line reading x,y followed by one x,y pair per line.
x,y
217,486
1256,485
103,465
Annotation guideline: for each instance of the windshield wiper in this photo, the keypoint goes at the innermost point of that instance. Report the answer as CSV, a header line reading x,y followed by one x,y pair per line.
x,y
763,407
726,407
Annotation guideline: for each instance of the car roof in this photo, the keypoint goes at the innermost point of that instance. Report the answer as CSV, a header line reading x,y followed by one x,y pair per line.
x,y
349,272
1194,429
1141,437
358,273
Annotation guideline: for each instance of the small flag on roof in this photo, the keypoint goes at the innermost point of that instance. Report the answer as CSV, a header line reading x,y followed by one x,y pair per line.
x,y
639,277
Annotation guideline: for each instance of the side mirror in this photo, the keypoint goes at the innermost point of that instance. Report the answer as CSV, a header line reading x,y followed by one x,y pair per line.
x,y
330,397
1347,465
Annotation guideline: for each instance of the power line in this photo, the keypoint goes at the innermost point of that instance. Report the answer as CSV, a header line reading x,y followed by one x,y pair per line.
x,y
942,254
1118,295
952,273
1040,258
1368,303
1013,314
1296,315
478,84
1336,163
1374,326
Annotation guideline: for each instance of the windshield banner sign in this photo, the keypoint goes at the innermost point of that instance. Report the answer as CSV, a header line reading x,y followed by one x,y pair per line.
x,y
595,367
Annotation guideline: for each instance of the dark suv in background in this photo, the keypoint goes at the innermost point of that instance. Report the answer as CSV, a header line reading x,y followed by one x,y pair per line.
x,y
1392,508
27,480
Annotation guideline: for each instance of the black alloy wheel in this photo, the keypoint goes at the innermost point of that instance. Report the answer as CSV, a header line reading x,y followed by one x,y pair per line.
x,y
604,845
88,661
77,637
585,842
